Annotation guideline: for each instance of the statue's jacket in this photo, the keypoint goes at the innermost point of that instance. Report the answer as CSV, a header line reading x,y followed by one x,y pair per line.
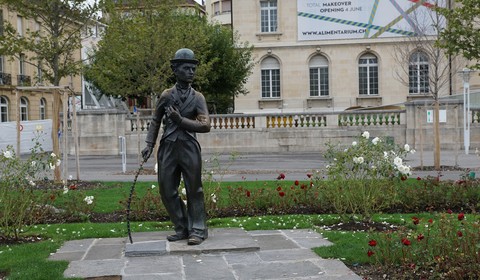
x,y
194,112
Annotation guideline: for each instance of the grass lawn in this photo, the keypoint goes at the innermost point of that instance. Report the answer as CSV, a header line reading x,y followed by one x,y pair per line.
x,y
29,260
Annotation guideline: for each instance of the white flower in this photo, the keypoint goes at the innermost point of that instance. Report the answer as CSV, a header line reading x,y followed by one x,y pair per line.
x,y
354,143
412,151
65,189
58,162
385,155
366,134
406,147
70,177
156,167
8,154
327,166
397,161
33,163
53,155
184,191
401,168
214,198
153,186
88,199
52,166
375,140
358,160
32,183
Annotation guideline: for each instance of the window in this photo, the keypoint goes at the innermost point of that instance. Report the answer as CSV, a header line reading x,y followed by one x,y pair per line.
x,y
270,71
268,16
3,109
226,6
23,109
20,26
39,73
368,75
1,22
318,76
1,63
418,81
43,108
21,64
216,8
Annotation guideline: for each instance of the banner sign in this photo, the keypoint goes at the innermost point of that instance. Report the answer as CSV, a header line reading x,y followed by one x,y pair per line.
x,y
364,19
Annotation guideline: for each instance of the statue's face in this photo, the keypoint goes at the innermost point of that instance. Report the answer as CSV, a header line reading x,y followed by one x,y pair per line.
x,y
185,72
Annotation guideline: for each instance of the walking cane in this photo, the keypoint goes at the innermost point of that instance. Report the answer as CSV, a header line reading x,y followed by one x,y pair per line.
x,y
132,189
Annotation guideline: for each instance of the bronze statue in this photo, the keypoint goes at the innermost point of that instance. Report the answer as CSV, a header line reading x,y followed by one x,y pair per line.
x,y
184,112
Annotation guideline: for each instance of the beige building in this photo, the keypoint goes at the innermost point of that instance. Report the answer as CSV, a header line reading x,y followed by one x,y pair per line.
x,y
20,72
327,55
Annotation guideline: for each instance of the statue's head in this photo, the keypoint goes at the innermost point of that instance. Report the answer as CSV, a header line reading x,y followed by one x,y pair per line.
x,y
184,65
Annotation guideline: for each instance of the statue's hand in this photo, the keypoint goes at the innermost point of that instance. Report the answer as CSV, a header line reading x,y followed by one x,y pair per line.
x,y
147,152
174,114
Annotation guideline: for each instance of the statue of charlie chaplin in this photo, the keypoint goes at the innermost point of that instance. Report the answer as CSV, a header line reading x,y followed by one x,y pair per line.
x,y
184,112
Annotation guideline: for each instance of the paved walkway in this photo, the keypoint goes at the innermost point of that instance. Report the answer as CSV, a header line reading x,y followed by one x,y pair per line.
x,y
227,254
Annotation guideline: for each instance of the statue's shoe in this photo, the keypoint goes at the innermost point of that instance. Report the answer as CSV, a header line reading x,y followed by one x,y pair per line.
x,y
194,240
176,237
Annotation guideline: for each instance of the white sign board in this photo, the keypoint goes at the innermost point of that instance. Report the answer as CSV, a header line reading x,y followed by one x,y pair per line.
x,y
442,116
30,132
356,19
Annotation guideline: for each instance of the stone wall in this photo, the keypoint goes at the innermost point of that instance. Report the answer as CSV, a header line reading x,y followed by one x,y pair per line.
x,y
99,130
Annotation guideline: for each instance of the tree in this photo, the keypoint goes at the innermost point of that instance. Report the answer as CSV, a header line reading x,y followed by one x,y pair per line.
x,y
133,59
54,45
422,65
462,34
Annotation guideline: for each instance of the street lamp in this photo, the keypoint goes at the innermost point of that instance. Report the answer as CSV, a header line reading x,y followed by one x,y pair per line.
x,y
466,108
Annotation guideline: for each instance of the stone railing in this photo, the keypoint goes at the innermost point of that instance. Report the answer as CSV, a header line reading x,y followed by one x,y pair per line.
x,y
288,120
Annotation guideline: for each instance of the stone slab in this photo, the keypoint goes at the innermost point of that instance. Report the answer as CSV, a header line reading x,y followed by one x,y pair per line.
x,y
274,242
67,256
153,265
201,267
219,240
94,268
277,270
146,248
104,252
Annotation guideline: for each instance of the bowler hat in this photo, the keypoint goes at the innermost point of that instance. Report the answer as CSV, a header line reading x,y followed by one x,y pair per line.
x,y
184,55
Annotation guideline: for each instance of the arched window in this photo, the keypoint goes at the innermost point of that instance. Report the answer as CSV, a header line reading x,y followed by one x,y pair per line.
x,y
43,108
418,81
318,76
23,109
3,109
368,74
270,69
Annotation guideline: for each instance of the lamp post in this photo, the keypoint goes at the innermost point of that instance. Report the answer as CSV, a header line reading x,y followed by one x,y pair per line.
x,y
466,108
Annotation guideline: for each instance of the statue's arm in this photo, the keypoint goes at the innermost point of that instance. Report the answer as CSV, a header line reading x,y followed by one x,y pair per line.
x,y
201,123
154,127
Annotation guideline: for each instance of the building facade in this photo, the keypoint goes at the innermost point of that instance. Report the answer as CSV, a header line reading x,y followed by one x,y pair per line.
x,y
327,55
19,72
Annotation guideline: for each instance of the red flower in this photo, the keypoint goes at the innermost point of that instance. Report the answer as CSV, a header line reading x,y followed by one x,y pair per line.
x,y
279,188
449,211
420,237
419,179
430,221
403,178
370,253
416,220
52,197
459,234
281,176
461,216
297,183
303,186
72,187
247,193
372,243
309,175
406,242
282,194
